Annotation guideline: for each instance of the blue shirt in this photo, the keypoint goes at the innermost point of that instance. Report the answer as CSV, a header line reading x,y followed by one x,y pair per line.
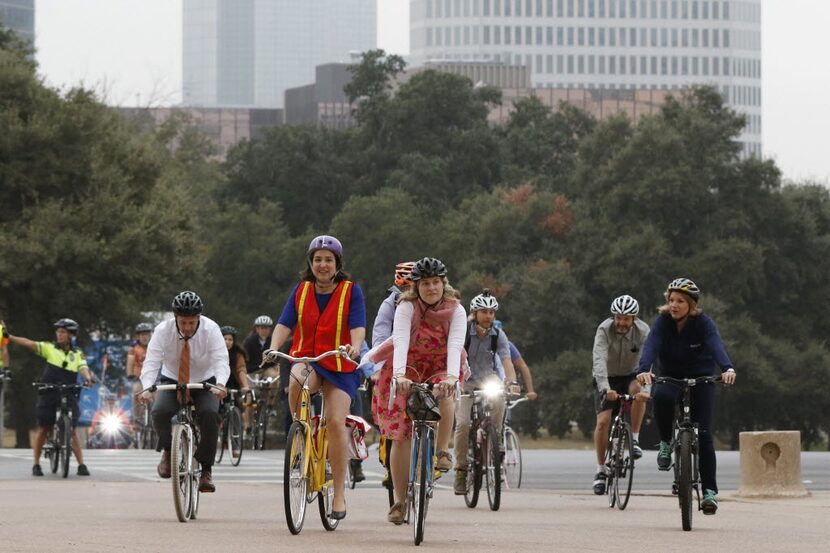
x,y
692,352
514,352
357,309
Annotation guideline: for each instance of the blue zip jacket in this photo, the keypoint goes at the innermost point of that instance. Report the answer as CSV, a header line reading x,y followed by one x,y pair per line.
x,y
690,353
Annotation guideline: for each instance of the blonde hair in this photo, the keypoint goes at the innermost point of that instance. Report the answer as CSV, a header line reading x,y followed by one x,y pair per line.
x,y
412,293
694,310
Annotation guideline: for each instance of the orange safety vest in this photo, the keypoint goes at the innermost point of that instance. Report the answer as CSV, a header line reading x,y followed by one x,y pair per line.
x,y
317,332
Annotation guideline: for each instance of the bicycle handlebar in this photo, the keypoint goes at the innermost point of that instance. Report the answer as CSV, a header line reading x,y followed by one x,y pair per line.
x,y
341,352
189,386
263,381
426,386
50,386
682,382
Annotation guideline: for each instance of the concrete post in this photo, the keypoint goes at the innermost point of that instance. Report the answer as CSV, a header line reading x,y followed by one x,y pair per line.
x,y
771,464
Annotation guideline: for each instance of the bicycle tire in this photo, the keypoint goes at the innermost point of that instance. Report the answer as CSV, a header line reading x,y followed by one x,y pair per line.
x,y
624,468
52,449
512,459
423,475
235,435
325,500
390,485
261,425
221,440
610,461
295,480
65,439
684,477
181,462
492,469
473,470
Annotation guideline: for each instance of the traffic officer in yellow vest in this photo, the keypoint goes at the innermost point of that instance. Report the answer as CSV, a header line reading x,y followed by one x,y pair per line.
x,y
64,361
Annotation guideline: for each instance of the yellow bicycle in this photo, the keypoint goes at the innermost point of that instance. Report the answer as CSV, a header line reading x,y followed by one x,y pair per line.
x,y
307,471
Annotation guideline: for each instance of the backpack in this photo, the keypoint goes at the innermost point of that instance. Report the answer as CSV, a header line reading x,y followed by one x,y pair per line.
x,y
494,342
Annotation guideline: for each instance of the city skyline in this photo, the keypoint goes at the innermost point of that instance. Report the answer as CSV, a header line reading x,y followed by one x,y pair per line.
x,y
137,68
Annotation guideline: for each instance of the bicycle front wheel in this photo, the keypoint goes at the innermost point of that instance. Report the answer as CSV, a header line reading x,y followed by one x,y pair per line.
x,y
386,444
234,435
261,425
221,439
295,481
624,468
492,471
473,470
610,462
684,477
512,459
423,478
181,465
325,500
65,440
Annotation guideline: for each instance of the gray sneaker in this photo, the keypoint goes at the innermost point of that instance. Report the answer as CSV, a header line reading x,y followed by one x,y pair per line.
x,y
460,484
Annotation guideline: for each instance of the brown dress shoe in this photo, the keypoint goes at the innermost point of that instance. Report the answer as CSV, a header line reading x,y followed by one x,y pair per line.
x,y
206,482
164,465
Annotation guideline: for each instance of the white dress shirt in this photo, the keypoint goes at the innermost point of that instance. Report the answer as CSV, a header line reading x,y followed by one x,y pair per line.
x,y
208,353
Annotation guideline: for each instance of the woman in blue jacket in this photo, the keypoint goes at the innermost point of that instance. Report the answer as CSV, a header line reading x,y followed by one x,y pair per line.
x,y
688,344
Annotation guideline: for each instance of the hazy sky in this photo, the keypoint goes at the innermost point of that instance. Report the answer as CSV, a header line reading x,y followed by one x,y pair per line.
x,y
130,51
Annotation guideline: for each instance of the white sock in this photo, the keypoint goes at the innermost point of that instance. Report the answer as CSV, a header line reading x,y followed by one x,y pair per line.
x,y
636,436
600,468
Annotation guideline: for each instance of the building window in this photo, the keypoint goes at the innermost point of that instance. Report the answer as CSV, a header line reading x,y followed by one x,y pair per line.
x,y
622,65
622,36
560,11
612,65
560,64
715,66
571,12
684,34
685,9
476,8
518,32
538,63
475,35
725,32
674,65
726,66
539,40
654,38
632,65
549,64
622,9
508,36
602,36
570,65
580,60
633,10
580,4
429,36
643,65
695,38
457,36
591,36
486,34
429,9
529,35
612,36
664,65
694,66
549,36
664,38
549,8
715,10
684,66
580,35
674,38
643,37
592,12
560,36
602,65
485,8
602,9
466,36
507,6
570,36
592,65
496,34
654,65
632,36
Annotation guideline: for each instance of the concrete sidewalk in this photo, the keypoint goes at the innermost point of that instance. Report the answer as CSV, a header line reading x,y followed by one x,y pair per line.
x,y
74,515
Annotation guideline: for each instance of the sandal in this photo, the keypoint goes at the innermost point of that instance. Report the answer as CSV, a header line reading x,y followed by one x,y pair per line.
x,y
444,461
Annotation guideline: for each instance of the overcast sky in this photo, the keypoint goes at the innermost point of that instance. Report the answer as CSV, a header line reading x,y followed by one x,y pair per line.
x,y
130,51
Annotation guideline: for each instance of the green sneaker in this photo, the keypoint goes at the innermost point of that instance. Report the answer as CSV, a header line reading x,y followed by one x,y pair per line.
x,y
664,456
710,502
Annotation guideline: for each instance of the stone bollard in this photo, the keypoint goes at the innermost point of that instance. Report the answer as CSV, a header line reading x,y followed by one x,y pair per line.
x,y
771,464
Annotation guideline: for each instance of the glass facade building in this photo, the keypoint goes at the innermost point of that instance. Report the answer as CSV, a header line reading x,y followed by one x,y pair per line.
x,y
19,16
606,44
246,53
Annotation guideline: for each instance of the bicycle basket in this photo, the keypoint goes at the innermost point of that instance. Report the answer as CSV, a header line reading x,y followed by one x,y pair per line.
x,y
422,406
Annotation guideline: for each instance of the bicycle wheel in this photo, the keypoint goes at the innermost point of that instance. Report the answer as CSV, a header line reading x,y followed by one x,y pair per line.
x,y
221,439
624,468
261,425
234,435
473,471
390,486
295,480
512,459
52,448
610,461
181,464
65,440
684,477
423,477
325,500
492,469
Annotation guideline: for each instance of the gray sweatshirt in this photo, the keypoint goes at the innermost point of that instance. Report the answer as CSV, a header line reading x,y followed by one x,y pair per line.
x,y
617,354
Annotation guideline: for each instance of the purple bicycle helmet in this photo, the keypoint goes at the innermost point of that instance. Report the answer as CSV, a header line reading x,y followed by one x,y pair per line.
x,y
326,242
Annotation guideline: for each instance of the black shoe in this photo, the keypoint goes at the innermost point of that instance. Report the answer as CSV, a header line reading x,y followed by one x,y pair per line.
x,y
339,515
36,471
599,483
637,451
357,471
82,470
206,481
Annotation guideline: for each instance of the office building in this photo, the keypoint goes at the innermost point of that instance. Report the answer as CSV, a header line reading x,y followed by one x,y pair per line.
x,y
606,44
246,53
19,16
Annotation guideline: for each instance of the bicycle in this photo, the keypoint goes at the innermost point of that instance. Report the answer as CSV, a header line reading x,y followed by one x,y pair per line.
x,y
58,446
421,483
619,456
307,470
685,446
512,464
145,434
263,407
184,469
484,455
231,430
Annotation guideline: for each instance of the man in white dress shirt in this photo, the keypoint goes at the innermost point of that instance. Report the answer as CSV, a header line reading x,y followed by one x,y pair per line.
x,y
187,348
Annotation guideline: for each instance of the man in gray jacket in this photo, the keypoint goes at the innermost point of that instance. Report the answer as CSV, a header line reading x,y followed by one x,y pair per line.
x,y
617,347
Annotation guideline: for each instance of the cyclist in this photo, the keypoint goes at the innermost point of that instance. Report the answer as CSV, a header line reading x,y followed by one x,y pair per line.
x,y
254,345
523,370
427,341
327,309
688,345
187,348
237,360
617,346
382,328
486,345
135,360
64,360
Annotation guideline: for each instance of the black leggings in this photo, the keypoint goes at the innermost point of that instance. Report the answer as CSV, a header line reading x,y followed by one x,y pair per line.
x,y
666,397
207,417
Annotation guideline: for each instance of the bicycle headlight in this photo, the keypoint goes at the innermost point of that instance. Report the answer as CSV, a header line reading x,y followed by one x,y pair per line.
x,y
493,389
111,424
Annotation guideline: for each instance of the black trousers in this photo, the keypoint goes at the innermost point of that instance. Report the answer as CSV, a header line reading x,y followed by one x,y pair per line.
x,y
207,417
703,409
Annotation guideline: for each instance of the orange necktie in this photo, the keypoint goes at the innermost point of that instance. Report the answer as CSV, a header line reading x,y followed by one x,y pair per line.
x,y
184,371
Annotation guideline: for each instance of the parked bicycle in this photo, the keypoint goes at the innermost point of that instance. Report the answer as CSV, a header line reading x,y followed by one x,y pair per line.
x,y
512,464
619,456
231,429
422,409
484,455
184,469
58,446
263,408
685,446
307,469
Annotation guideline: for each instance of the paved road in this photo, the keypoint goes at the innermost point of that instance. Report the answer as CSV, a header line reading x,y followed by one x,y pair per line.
x,y
543,469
